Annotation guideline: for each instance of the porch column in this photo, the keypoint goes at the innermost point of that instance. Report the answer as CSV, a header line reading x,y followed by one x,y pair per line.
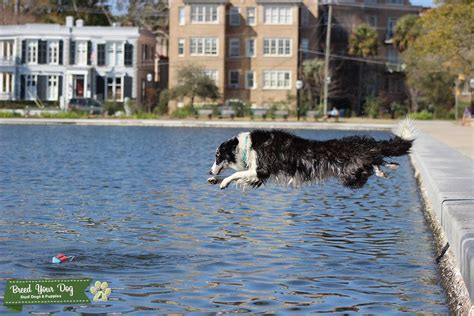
x,y
1,49
1,82
7,80
13,90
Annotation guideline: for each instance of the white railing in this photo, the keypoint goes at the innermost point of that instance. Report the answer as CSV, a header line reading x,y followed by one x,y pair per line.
x,y
6,96
7,60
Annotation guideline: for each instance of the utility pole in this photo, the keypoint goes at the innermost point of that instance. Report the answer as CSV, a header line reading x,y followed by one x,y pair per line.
x,y
326,58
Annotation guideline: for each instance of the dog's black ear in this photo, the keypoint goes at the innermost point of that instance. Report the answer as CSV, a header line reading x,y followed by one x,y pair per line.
x,y
234,141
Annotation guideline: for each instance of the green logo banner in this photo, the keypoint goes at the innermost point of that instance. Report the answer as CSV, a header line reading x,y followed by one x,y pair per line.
x,y
45,291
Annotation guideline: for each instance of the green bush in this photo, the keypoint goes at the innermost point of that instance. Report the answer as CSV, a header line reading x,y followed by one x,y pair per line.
x,y
9,114
241,108
398,109
111,107
373,107
423,115
162,106
184,112
21,104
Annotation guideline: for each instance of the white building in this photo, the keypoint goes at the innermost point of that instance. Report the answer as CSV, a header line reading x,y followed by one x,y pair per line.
x,y
53,62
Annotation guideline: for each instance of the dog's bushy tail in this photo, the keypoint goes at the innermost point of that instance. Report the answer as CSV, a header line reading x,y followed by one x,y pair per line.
x,y
400,144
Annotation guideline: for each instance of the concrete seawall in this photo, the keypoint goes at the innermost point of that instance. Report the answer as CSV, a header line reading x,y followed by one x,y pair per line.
x,y
447,179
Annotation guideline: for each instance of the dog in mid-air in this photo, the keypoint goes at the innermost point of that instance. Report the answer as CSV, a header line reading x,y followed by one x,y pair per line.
x,y
273,155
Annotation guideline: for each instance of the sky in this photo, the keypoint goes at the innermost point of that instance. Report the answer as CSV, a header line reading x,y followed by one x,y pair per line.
x,y
425,3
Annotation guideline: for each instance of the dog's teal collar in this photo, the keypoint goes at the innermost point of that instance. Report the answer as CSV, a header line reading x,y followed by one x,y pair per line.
x,y
244,154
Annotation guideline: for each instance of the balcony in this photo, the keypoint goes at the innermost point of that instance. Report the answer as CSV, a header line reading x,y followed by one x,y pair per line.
x,y
392,67
4,96
7,61
389,37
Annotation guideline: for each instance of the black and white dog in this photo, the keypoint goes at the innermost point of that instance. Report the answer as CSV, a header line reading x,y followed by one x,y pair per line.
x,y
274,155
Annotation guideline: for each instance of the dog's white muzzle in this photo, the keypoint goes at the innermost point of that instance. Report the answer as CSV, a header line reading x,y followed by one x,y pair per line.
x,y
216,169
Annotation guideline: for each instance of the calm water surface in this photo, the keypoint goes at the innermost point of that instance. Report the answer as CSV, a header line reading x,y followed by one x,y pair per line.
x,y
132,204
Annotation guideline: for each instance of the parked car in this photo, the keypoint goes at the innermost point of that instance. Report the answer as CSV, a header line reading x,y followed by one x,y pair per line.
x,y
88,105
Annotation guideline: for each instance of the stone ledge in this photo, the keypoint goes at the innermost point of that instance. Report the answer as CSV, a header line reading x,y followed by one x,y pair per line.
x,y
448,178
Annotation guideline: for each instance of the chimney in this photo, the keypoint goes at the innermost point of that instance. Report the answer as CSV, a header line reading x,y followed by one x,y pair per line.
x,y
79,23
69,21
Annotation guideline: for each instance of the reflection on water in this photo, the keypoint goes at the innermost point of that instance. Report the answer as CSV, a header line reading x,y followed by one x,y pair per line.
x,y
133,206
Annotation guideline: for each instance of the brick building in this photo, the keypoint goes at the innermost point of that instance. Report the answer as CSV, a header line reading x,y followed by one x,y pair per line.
x,y
250,48
381,75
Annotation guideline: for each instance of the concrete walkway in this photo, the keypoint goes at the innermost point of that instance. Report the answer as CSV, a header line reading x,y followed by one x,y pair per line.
x,y
460,138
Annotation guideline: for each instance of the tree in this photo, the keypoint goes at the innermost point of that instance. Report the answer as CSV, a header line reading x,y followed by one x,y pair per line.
x,y
446,36
151,15
406,31
441,51
313,77
363,42
192,82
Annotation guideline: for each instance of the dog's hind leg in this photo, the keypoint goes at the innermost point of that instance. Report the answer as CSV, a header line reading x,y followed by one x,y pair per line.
x,y
247,176
379,173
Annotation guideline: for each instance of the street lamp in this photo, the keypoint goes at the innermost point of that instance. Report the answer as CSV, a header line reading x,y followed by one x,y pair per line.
x,y
299,85
149,78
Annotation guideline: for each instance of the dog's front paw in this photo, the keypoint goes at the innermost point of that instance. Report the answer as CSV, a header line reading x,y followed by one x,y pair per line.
x,y
213,180
224,184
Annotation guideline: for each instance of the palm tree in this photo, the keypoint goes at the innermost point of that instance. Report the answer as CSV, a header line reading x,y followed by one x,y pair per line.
x,y
406,31
363,42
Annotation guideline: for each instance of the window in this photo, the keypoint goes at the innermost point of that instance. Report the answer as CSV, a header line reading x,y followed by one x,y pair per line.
x,y
234,16
115,53
52,90
304,16
118,54
53,52
251,16
114,88
204,14
396,2
278,14
234,79
274,79
391,22
203,46
128,54
250,80
251,47
276,46
304,47
181,47
181,15
32,49
234,47
392,55
100,54
372,20
31,87
211,74
81,52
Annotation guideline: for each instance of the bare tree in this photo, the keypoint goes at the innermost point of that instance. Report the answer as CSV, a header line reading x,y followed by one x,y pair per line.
x,y
151,15
313,77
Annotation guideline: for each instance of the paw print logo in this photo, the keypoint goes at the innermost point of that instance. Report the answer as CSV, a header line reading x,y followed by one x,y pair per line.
x,y
101,291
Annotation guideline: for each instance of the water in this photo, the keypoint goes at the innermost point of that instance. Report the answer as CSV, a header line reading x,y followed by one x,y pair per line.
x,y
132,204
